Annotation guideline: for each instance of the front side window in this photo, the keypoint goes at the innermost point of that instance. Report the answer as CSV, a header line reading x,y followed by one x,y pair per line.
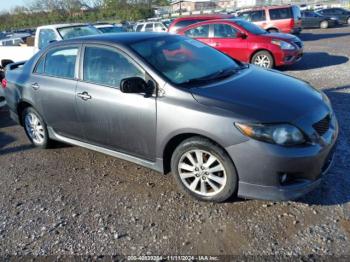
x,y
159,27
280,13
183,61
198,32
46,36
61,62
224,31
107,67
250,27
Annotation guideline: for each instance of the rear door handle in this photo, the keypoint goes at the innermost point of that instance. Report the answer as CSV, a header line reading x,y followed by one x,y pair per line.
x,y
84,95
35,86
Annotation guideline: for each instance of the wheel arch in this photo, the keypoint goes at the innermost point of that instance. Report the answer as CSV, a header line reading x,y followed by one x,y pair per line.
x,y
175,141
259,50
22,105
272,28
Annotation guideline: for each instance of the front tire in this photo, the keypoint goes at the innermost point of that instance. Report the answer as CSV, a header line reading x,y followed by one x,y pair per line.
x,y
35,128
204,170
348,20
263,59
324,24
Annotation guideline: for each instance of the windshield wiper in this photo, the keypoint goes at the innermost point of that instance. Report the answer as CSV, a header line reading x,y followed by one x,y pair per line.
x,y
217,75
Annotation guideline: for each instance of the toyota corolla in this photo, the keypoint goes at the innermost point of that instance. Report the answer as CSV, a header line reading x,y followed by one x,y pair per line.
x,y
176,105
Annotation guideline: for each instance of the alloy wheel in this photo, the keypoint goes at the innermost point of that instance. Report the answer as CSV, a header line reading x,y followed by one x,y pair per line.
x,y
202,172
34,128
262,61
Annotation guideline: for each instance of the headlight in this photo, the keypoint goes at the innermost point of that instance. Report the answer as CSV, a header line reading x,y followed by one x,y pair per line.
x,y
284,134
283,44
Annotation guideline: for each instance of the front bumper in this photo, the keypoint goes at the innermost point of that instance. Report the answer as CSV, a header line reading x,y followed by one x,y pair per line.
x,y
260,167
290,57
296,30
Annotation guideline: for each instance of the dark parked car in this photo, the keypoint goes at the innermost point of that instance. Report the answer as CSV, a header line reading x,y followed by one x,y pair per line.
x,y
247,42
312,19
342,14
175,104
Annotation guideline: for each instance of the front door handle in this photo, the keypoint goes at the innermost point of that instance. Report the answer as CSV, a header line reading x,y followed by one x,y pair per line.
x,y
84,95
35,86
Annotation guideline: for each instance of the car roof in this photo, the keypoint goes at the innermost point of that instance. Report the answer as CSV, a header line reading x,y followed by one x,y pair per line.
x,y
193,17
119,38
264,7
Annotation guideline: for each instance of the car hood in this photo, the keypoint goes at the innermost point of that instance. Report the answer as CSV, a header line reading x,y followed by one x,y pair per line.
x,y
281,36
260,95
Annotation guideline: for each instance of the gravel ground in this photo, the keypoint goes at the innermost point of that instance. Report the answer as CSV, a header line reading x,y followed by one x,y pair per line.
x,y
69,200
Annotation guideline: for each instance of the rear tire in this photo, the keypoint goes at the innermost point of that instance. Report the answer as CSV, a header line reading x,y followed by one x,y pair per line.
x,y
203,170
263,59
35,128
348,20
324,24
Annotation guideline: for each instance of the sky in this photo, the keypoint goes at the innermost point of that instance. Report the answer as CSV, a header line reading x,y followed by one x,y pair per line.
x,y
8,4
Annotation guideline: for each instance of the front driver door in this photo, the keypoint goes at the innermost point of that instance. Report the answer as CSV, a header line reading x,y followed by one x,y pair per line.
x,y
224,38
110,118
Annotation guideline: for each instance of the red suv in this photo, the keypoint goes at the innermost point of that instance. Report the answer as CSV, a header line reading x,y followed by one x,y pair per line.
x,y
286,19
247,42
182,22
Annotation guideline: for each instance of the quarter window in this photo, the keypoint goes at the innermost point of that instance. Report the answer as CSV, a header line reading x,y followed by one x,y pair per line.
x,y
60,63
198,32
224,31
107,67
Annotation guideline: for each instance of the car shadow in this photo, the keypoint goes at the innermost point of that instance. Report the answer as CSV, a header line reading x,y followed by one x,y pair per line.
x,y
315,37
5,120
313,60
335,187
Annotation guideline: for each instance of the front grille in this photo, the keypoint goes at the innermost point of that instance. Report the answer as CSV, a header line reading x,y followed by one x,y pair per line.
x,y
322,126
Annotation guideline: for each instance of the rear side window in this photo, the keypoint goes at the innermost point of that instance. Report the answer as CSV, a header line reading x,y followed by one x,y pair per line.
x,y
107,67
149,27
254,16
60,63
198,32
280,13
224,31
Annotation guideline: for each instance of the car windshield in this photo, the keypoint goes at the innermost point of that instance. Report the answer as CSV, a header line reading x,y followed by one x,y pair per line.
x,y
250,27
111,29
185,61
77,31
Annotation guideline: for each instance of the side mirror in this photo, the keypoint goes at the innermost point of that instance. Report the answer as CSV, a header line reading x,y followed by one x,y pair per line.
x,y
241,35
134,85
5,62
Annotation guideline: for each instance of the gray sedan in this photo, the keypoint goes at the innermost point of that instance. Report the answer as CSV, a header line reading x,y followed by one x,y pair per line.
x,y
174,104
